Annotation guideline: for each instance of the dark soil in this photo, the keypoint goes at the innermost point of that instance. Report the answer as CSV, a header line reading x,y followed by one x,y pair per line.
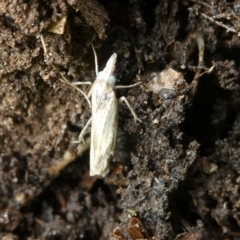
x,y
176,175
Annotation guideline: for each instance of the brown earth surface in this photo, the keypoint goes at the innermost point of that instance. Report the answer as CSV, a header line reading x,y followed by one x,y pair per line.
x,y
176,175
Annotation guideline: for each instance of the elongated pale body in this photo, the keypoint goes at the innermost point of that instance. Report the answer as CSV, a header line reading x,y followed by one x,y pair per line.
x,y
104,119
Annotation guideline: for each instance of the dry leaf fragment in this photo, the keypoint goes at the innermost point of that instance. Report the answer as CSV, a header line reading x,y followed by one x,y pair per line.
x,y
58,27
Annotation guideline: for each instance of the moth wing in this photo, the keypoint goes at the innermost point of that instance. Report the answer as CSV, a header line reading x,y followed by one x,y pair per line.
x,y
103,133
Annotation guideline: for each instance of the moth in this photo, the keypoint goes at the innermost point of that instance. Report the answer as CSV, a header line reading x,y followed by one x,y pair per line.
x,y
104,119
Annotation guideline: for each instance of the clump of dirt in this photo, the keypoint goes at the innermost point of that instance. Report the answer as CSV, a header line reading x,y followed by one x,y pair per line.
x,y
178,169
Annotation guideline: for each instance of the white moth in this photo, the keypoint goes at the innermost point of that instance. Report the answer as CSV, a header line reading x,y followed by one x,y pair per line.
x,y
104,120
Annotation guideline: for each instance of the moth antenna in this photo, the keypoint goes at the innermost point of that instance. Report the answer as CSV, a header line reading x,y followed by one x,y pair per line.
x,y
95,59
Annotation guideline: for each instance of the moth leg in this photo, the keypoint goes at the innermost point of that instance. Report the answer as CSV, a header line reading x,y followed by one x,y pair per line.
x,y
128,86
83,132
121,99
64,79
90,91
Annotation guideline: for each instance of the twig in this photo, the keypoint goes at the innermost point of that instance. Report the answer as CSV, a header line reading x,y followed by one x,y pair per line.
x,y
202,3
229,29
68,157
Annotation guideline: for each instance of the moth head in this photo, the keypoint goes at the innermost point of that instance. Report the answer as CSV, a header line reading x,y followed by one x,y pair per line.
x,y
112,80
104,76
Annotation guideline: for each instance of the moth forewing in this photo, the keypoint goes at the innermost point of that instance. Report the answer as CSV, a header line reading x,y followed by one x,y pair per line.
x,y
103,134
104,120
